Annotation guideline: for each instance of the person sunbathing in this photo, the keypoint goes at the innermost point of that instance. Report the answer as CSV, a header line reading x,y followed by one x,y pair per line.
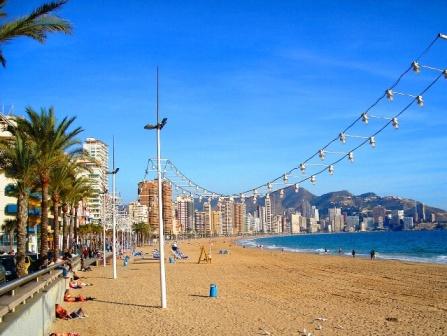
x,y
63,314
79,284
79,298
71,333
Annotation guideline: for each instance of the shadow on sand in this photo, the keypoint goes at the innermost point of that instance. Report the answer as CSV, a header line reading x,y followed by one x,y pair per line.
x,y
198,295
126,304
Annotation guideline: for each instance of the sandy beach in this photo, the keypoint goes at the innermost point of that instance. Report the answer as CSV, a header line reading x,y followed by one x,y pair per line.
x,y
263,292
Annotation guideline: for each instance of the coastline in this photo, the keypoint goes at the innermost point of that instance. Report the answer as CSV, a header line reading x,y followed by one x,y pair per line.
x,y
263,292
302,243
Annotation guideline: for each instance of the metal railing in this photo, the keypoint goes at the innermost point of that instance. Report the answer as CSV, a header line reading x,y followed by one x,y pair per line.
x,y
18,291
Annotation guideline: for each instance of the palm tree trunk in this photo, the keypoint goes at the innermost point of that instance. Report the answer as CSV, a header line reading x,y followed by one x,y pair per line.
x,y
22,219
72,224
44,220
64,227
56,228
11,240
76,224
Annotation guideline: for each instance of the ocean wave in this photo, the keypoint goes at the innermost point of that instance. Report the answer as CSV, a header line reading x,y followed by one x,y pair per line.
x,y
442,259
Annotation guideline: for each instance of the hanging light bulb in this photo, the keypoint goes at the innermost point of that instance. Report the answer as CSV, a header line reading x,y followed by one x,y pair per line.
x,y
342,137
269,186
281,193
330,169
395,123
197,188
321,154
365,117
255,192
254,199
267,195
372,142
389,94
177,188
183,192
313,179
420,101
297,187
416,67
285,178
303,168
351,156
190,183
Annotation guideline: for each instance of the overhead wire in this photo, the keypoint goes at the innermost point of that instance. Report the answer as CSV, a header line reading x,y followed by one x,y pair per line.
x,y
212,194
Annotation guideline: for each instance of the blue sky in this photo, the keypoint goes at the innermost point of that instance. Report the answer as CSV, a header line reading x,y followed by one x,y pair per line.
x,y
250,88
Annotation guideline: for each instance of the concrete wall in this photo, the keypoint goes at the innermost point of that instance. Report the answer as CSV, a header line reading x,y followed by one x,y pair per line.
x,y
36,316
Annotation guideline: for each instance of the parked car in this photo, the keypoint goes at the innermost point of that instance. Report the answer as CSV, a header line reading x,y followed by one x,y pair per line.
x,y
9,262
2,274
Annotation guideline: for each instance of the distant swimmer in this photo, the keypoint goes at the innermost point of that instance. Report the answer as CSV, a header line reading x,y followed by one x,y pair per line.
x,y
353,253
340,251
373,254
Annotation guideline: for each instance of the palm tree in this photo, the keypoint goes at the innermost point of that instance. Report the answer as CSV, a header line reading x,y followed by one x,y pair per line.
x,y
35,25
80,190
18,160
142,231
48,140
10,226
61,179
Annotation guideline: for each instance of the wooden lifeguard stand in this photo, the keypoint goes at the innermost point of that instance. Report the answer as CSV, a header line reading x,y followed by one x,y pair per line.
x,y
204,256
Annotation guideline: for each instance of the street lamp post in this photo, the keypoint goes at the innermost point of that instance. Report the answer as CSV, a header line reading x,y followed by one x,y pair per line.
x,y
113,173
104,194
159,127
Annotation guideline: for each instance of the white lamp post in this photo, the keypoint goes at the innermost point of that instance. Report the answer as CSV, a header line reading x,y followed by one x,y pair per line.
x,y
158,127
113,173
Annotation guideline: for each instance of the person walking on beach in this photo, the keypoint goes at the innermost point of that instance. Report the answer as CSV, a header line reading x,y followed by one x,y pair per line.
x,y
373,254
353,253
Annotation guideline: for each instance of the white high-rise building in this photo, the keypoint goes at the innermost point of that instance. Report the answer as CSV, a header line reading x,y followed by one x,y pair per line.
x,y
185,213
138,212
98,177
268,215
226,207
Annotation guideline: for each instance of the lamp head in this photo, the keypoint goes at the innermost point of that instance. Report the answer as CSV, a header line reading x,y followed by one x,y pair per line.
x,y
150,127
163,123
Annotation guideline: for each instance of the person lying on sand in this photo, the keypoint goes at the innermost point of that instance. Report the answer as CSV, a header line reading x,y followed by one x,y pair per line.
x,y
63,314
79,284
79,298
65,334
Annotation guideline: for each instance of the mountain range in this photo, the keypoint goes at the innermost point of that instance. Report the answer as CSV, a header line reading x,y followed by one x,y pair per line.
x,y
349,202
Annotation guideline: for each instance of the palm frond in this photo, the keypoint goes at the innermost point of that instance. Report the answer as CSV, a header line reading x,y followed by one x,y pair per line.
x,y
2,4
36,25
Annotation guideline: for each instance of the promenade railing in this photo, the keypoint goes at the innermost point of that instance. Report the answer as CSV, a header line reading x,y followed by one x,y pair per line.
x,y
19,291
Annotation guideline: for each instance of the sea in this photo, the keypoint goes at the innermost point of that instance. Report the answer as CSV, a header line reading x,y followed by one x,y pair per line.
x,y
415,246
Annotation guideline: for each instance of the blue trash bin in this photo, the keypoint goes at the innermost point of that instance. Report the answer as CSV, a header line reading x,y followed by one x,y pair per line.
x,y
213,290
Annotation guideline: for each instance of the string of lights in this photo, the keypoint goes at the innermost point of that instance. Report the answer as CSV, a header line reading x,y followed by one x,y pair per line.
x,y
184,185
